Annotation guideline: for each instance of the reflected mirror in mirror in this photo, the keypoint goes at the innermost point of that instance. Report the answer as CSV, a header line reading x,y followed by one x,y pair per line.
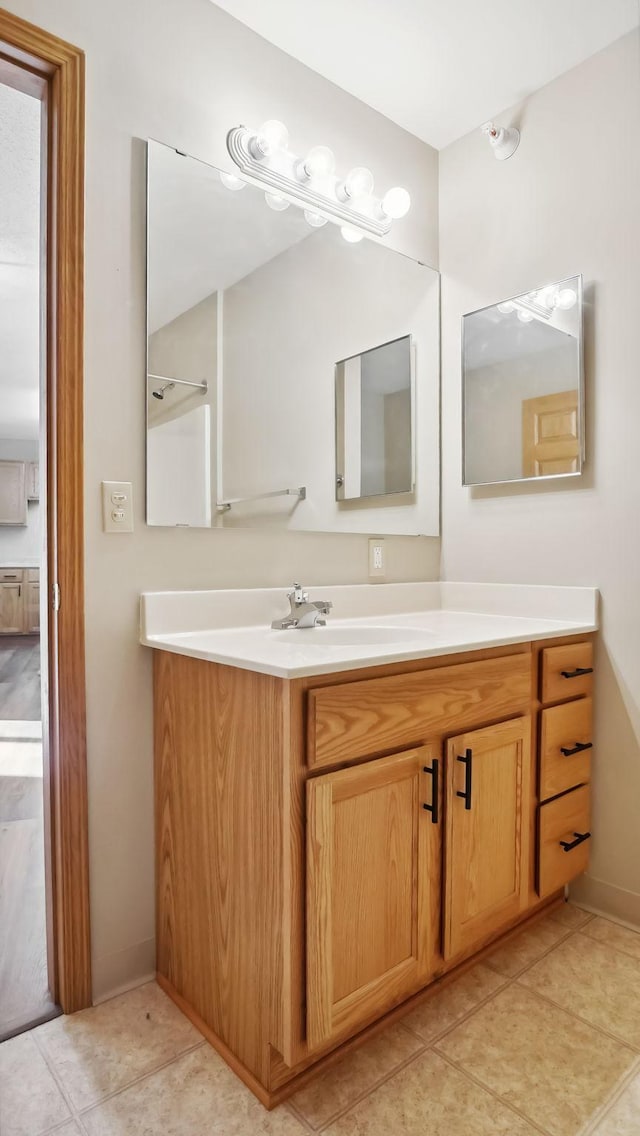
x,y
250,308
523,390
374,421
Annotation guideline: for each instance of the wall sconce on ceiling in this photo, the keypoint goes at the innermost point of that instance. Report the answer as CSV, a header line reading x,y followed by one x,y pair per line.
x,y
504,140
312,182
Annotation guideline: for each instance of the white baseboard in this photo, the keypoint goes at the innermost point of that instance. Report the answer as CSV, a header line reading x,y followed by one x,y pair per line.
x,y
123,970
606,899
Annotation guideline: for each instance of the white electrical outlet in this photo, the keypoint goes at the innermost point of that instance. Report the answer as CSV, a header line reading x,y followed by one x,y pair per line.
x,y
117,506
376,559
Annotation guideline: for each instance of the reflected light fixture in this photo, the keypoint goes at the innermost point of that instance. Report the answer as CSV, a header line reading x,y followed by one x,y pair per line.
x,y
230,181
312,183
504,140
540,305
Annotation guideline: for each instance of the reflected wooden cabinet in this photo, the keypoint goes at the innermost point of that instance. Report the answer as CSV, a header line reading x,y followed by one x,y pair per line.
x,y
19,601
329,846
13,493
487,840
11,609
372,866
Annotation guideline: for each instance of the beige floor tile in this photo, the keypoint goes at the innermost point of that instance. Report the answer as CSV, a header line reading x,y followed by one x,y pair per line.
x,y
445,1007
526,947
600,985
195,1095
105,1048
571,916
30,1100
68,1129
613,935
624,1118
552,1067
429,1098
359,1071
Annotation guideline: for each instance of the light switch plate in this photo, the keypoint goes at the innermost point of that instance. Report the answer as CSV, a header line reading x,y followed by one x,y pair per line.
x,y
117,506
377,569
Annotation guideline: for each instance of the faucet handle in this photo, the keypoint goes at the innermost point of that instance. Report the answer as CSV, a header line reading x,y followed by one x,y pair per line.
x,y
298,595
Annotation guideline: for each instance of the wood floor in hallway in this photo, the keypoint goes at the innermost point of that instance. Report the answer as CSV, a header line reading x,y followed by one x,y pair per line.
x,y
24,995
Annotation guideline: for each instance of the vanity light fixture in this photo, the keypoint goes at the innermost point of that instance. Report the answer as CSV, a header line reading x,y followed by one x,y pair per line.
x,y
230,181
504,140
311,182
540,305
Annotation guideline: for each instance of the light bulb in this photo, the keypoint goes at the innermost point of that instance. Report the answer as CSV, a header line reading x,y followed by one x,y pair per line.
x,y
232,182
565,299
276,202
272,136
319,162
506,308
358,183
396,202
316,220
351,235
525,316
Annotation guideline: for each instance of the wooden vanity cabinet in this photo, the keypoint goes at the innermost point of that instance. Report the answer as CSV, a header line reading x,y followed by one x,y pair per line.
x,y
328,847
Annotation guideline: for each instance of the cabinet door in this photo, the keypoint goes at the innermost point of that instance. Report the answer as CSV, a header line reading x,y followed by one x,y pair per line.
x,y
32,608
373,867
11,609
487,832
13,493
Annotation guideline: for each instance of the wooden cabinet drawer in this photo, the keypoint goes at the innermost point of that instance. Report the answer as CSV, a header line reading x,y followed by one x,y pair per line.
x,y
566,671
562,855
33,575
358,719
565,731
11,575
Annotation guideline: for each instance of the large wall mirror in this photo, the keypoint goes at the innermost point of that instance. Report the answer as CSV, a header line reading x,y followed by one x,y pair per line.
x,y
523,388
292,376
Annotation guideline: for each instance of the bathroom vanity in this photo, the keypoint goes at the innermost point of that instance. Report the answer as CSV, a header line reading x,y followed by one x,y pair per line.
x,y
342,821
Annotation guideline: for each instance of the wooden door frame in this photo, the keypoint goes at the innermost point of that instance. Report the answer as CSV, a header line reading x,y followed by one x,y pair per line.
x,y
56,69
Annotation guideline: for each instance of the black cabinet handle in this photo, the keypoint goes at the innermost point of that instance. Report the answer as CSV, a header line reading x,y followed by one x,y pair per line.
x,y
577,673
467,761
579,747
434,770
580,837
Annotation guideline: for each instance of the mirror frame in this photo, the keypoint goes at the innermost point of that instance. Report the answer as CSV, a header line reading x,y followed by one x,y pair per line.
x,y
581,389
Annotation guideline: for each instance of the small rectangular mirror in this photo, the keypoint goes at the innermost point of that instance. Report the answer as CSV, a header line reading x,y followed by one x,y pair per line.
x,y
374,422
523,387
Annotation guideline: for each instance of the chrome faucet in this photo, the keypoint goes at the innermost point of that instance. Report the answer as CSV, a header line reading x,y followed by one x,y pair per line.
x,y
304,613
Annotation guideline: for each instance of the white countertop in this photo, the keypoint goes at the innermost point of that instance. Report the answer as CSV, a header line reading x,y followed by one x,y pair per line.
x,y
370,625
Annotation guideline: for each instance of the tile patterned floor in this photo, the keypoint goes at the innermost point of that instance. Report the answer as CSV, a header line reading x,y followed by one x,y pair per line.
x,y
541,1037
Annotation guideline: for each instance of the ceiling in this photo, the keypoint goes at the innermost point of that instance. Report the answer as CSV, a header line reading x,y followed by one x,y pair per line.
x,y
19,263
439,68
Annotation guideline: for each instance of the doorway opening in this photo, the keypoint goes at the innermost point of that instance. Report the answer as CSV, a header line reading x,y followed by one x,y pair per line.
x,y
45,959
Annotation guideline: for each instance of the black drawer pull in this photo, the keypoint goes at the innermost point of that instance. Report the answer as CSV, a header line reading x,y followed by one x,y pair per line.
x,y
466,793
577,673
433,769
579,747
580,837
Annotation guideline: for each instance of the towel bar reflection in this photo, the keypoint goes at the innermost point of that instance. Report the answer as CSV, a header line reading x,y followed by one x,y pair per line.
x,y
202,387
300,493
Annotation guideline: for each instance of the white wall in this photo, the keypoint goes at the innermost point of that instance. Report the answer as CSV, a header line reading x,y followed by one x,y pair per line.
x,y
286,325
21,545
183,72
567,202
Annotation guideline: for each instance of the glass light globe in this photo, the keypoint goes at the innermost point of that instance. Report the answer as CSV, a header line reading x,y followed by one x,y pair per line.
x,y
525,316
351,235
358,182
316,220
506,308
396,202
230,181
566,298
272,136
319,162
276,202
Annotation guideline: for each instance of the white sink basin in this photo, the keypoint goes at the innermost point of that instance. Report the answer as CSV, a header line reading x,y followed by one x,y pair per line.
x,y
350,636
